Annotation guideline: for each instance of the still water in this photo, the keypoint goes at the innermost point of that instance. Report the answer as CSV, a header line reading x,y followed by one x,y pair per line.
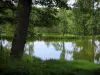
x,y
81,49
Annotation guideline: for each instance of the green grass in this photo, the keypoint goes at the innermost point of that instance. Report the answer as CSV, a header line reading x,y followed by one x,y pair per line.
x,y
51,36
35,66
61,37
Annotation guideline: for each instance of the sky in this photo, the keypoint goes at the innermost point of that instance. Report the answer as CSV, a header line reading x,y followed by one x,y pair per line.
x,y
71,1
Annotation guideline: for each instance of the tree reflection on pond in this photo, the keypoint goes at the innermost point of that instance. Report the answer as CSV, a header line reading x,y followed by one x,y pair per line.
x,y
81,49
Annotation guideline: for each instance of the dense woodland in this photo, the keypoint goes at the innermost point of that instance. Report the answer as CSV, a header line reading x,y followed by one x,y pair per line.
x,y
23,20
82,18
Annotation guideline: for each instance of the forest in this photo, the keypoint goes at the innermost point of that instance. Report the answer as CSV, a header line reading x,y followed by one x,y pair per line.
x,y
49,37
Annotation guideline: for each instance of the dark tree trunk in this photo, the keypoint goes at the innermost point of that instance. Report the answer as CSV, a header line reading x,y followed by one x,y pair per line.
x,y
23,13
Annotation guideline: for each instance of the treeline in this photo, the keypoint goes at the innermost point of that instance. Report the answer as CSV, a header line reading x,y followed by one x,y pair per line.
x,y
82,19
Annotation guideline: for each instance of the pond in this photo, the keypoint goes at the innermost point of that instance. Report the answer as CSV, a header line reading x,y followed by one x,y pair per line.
x,y
81,49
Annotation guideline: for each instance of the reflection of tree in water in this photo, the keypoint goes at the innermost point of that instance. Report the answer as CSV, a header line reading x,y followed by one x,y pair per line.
x,y
85,50
30,48
60,46
48,43
97,52
62,55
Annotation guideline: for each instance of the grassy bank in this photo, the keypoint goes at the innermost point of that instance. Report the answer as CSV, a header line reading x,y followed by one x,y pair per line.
x,y
35,66
65,37
52,36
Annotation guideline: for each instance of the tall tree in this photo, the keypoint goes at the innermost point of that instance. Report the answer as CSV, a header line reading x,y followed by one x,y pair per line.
x,y
23,13
82,12
4,6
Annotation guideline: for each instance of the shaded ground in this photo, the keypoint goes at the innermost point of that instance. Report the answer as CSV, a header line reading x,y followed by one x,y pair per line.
x,y
35,66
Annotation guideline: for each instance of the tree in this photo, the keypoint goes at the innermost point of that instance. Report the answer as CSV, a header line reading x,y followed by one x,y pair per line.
x,y
43,17
4,6
23,13
60,46
85,16
95,12
82,15
63,21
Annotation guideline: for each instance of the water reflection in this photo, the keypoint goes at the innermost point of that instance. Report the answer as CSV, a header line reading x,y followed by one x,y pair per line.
x,y
44,52
60,46
86,51
29,48
62,55
82,49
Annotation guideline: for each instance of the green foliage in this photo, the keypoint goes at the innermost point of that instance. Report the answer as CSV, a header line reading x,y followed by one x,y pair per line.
x,y
55,3
43,17
65,23
5,6
34,66
7,30
84,17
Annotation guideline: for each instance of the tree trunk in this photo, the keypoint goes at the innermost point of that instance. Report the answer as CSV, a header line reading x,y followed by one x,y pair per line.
x,y
23,13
